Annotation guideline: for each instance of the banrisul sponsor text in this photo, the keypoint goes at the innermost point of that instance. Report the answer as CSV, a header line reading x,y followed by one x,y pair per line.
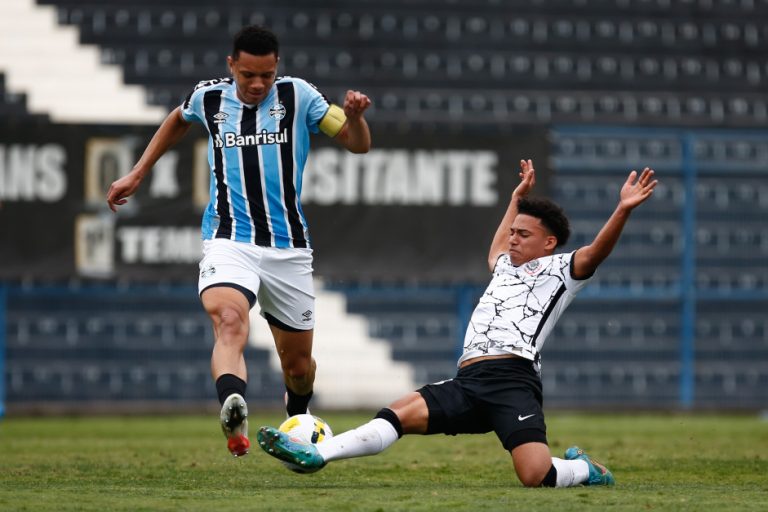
x,y
232,139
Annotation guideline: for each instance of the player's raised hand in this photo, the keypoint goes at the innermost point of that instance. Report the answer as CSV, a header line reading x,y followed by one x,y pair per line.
x,y
527,178
121,189
355,103
637,190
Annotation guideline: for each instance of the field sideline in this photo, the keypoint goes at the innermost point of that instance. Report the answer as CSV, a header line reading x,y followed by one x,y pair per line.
x,y
661,462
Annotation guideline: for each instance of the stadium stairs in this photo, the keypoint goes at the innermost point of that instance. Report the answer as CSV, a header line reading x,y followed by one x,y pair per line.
x,y
355,370
61,78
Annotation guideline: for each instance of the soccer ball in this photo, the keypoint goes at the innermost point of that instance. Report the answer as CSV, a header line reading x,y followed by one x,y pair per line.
x,y
308,429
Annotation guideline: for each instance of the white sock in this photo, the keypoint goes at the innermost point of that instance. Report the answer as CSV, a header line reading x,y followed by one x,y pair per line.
x,y
570,472
374,437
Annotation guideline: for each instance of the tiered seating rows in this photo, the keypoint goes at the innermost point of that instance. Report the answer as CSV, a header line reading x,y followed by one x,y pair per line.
x,y
135,347
687,64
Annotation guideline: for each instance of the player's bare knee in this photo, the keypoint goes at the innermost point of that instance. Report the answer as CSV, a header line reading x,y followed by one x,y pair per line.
x,y
230,324
530,478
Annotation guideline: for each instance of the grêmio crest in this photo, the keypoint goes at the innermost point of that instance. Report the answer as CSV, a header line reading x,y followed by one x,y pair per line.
x,y
277,112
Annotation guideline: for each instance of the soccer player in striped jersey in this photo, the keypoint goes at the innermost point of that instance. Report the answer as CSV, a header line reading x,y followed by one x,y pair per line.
x,y
498,385
256,245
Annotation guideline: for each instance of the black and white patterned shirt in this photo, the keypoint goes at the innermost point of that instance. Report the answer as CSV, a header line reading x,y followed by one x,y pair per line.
x,y
520,307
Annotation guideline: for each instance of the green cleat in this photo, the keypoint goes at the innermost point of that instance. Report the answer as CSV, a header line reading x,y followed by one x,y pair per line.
x,y
598,474
297,455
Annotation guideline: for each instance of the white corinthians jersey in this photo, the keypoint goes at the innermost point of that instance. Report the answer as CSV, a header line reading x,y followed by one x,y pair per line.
x,y
520,307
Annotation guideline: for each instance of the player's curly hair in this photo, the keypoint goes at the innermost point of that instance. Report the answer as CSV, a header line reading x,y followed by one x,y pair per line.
x,y
550,214
255,40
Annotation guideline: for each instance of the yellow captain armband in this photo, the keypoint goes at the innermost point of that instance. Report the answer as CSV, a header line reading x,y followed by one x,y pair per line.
x,y
333,120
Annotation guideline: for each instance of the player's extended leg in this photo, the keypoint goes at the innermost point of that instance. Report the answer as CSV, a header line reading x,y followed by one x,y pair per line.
x,y
228,309
294,348
408,415
536,467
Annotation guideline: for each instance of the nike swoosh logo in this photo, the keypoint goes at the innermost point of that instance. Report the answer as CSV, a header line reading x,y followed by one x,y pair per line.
x,y
520,417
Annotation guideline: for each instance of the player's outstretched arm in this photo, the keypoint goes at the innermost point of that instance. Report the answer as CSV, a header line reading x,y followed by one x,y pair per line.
x,y
355,135
634,192
172,129
500,243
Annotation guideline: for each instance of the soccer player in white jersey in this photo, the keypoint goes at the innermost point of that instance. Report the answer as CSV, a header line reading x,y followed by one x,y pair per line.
x,y
498,386
256,244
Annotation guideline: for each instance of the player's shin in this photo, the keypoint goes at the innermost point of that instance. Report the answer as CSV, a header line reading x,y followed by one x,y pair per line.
x,y
374,437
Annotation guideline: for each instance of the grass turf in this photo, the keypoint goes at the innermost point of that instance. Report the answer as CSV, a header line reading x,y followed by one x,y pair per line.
x,y
661,462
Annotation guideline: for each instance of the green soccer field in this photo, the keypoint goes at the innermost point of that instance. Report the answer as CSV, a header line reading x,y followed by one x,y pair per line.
x,y
661,462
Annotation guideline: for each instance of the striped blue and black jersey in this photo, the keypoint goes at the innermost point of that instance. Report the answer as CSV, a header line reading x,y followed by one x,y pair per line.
x,y
256,154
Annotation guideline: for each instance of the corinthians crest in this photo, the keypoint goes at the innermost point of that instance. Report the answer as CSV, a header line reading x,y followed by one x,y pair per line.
x,y
532,267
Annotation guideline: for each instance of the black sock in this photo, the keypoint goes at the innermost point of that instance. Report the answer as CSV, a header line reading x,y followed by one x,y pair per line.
x,y
297,404
390,416
551,479
228,384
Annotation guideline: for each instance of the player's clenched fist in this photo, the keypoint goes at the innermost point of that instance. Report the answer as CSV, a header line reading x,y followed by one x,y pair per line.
x,y
355,103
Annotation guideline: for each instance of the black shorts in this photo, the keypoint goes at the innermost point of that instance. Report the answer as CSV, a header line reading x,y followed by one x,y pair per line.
x,y
499,395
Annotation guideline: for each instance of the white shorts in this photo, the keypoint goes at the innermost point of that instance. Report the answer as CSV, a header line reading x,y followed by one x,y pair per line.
x,y
281,279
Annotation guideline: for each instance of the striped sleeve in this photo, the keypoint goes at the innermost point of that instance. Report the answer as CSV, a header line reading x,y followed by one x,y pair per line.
x,y
192,109
315,102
